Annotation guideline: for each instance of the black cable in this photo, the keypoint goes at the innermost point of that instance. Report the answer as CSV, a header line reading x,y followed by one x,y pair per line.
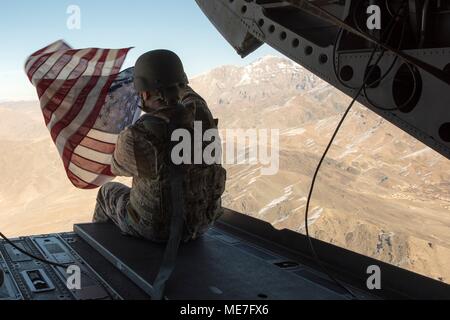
x,y
12,244
391,67
54,264
308,236
387,72
388,8
404,104
414,91
336,66
327,149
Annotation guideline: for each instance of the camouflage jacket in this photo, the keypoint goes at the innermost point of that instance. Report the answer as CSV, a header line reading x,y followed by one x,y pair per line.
x,y
142,153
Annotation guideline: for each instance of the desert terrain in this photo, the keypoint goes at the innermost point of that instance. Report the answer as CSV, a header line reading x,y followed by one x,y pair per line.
x,y
380,192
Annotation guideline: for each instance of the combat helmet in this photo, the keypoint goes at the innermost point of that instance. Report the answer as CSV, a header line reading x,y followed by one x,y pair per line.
x,y
158,69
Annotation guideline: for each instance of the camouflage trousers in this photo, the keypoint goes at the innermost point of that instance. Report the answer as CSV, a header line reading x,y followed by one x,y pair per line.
x,y
112,205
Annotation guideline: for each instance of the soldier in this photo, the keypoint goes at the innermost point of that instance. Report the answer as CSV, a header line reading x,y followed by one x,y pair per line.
x,y
143,152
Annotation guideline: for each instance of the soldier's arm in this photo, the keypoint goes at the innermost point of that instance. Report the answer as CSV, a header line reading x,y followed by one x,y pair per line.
x,y
135,155
123,162
202,111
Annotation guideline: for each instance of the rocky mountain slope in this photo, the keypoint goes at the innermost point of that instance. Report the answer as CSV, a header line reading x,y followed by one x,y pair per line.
x,y
380,192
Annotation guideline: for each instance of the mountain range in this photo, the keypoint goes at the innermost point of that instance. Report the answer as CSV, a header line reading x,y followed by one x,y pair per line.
x,y
380,192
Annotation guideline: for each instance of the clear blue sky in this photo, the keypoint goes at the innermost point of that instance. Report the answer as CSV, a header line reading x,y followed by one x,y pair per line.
x,y
178,25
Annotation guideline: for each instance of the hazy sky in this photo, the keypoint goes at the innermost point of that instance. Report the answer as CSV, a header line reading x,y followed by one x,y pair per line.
x,y
179,25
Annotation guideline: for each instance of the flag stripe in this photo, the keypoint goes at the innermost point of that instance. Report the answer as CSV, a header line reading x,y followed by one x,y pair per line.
x,y
67,104
72,87
78,182
36,65
97,145
72,121
91,166
90,121
93,155
59,45
89,177
63,95
46,67
51,48
103,136
53,73
68,69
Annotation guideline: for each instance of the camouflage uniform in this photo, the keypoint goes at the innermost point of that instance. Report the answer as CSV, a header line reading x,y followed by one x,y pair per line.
x,y
142,153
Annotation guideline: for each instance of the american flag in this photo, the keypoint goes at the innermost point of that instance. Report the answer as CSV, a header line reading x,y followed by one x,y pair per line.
x,y
86,102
